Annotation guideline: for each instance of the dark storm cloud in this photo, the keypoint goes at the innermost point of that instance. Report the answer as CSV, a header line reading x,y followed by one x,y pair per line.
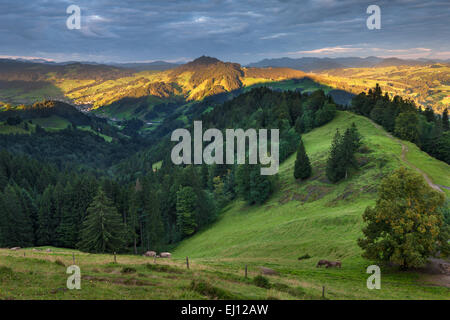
x,y
244,31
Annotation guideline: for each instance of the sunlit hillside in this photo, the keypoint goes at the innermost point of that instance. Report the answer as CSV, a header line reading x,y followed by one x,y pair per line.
x,y
427,85
103,85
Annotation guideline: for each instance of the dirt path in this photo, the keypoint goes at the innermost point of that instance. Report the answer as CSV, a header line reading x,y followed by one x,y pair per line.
x,y
405,160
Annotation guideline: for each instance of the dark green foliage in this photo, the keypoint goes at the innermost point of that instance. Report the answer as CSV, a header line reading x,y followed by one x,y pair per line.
x,y
6,273
336,170
126,270
445,123
302,168
206,289
13,121
406,126
186,202
342,154
102,230
251,185
261,282
16,225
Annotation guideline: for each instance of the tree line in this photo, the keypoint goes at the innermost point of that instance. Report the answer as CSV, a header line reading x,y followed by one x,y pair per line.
x,y
402,118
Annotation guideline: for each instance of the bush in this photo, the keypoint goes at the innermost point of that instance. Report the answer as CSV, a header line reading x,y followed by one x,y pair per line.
x,y
261,282
6,273
304,257
128,270
163,268
206,289
59,263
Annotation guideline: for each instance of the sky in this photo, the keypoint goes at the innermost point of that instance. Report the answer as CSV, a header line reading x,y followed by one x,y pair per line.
x,y
231,30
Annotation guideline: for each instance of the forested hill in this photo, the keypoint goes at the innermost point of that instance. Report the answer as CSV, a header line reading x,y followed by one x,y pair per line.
x,y
58,133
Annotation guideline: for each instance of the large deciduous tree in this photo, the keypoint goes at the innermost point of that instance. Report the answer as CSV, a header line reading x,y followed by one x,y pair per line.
x,y
406,225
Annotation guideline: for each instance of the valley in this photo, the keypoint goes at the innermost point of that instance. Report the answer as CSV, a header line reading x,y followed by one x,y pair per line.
x,y
313,218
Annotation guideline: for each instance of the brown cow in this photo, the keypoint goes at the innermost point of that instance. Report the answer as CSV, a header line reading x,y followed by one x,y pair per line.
x,y
268,271
334,264
322,263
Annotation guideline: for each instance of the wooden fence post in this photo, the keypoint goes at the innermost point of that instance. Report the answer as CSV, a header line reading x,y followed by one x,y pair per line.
x,y
115,260
73,257
323,292
187,262
245,271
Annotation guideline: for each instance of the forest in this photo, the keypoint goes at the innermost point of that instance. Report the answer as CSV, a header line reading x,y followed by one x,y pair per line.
x,y
101,196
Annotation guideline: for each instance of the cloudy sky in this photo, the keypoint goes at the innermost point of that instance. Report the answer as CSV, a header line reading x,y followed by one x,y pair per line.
x,y
232,30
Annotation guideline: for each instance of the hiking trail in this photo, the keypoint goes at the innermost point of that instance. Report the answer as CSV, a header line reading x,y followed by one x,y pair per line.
x,y
405,160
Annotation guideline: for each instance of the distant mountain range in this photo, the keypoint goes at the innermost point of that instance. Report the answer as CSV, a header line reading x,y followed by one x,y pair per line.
x,y
137,66
308,64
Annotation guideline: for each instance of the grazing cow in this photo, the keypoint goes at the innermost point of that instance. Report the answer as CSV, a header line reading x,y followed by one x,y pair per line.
x,y
268,271
150,254
334,264
48,250
322,263
15,248
165,255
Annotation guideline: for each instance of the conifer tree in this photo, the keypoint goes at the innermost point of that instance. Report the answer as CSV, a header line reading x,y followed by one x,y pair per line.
x,y
302,169
186,201
46,221
153,222
102,229
19,228
335,169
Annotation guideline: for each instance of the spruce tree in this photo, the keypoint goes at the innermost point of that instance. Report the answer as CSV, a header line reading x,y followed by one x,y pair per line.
x,y
102,230
336,169
186,202
153,222
261,186
46,226
19,228
302,169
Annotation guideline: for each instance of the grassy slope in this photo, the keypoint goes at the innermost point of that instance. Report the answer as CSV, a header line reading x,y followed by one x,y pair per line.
x,y
324,224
